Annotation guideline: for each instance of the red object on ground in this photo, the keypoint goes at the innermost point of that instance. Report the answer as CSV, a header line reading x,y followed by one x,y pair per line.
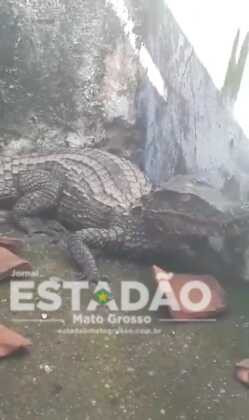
x,y
10,262
13,244
202,290
11,342
242,371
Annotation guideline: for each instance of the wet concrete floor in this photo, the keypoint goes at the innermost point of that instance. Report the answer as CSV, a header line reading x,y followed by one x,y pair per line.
x,y
178,372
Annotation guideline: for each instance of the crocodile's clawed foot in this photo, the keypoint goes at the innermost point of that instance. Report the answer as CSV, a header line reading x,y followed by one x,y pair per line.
x,y
93,282
78,276
104,278
81,277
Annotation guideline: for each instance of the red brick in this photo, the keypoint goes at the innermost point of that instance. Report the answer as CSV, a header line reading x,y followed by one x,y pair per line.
x,y
10,262
217,303
242,371
13,244
11,342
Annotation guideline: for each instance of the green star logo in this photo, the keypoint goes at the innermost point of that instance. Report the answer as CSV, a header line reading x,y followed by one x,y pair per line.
x,y
103,296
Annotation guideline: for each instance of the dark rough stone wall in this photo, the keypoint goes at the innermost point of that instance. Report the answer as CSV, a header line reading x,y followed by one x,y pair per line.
x,y
67,74
70,77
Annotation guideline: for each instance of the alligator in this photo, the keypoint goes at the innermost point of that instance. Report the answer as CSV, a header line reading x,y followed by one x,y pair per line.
x,y
105,202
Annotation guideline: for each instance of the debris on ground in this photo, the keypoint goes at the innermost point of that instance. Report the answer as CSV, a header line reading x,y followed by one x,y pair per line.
x,y
47,368
12,342
242,371
197,305
12,244
10,262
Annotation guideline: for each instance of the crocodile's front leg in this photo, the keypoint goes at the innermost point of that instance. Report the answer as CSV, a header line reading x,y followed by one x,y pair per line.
x,y
79,245
39,191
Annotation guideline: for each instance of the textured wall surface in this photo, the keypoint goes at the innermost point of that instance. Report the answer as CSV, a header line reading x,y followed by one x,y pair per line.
x,y
68,75
191,132
71,73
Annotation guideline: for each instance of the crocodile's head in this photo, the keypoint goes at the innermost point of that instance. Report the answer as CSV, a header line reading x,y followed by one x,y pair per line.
x,y
186,228
168,212
198,228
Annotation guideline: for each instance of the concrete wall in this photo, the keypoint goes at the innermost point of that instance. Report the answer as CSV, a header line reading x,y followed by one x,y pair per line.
x,y
72,73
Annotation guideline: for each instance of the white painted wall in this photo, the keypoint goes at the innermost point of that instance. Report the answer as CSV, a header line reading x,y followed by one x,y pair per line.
x,y
211,26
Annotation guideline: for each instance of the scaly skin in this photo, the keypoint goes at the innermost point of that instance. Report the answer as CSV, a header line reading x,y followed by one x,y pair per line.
x,y
105,200
90,192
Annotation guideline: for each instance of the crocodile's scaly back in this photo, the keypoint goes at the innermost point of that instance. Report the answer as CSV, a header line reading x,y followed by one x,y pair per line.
x,y
95,192
111,180
8,170
101,186
93,182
